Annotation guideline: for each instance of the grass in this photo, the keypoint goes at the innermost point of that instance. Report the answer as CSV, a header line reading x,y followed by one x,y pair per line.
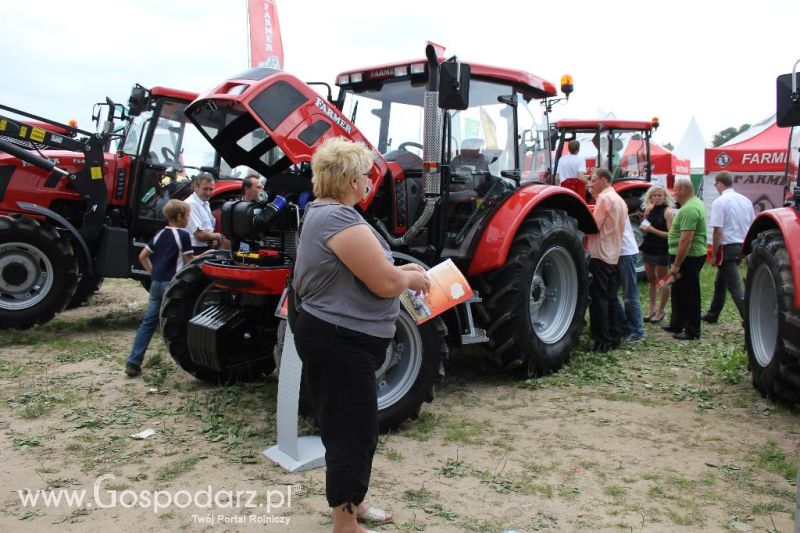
x,y
772,459
173,470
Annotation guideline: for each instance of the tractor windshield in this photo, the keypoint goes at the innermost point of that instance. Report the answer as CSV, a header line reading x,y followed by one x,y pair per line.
x,y
173,144
625,153
482,137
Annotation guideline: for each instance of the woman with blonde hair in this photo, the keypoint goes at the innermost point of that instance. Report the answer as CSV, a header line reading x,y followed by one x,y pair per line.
x,y
349,287
658,212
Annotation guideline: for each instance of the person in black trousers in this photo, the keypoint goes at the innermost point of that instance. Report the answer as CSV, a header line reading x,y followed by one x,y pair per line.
x,y
731,216
349,287
687,248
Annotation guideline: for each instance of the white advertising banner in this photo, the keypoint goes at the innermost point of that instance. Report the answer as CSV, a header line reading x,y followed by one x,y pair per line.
x,y
765,189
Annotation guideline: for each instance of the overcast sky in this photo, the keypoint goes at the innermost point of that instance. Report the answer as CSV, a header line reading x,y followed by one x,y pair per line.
x,y
716,60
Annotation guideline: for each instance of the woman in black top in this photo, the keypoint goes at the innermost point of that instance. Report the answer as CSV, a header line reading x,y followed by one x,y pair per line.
x,y
656,221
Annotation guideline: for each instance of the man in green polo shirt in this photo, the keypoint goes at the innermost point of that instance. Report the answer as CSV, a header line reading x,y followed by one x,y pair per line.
x,y
687,250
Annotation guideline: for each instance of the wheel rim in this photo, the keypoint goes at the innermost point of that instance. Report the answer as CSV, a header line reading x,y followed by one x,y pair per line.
x,y
402,364
26,276
553,295
762,315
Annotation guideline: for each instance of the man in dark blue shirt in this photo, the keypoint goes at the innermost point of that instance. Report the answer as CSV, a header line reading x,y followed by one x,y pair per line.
x,y
165,254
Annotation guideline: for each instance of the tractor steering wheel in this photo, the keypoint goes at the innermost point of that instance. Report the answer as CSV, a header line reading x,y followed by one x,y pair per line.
x,y
403,146
169,157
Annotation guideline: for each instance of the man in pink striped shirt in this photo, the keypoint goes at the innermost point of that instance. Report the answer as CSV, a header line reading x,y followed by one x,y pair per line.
x,y
605,246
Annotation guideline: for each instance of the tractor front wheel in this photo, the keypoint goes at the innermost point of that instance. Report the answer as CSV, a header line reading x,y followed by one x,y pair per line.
x,y
414,362
87,286
537,300
249,356
38,272
771,322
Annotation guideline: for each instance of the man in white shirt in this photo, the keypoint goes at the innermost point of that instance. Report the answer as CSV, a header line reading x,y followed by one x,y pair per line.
x,y
571,165
201,221
731,216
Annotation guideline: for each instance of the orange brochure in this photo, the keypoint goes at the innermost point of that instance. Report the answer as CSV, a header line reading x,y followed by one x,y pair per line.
x,y
449,288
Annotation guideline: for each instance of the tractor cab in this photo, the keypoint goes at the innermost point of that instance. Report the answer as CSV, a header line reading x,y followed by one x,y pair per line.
x,y
490,145
164,153
621,146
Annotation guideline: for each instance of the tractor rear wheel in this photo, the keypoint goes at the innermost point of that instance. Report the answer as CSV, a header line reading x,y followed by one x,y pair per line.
x,y
633,199
189,294
38,272
537,300
771,322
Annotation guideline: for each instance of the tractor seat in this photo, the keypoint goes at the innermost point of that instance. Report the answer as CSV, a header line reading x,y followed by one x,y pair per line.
x,y
468,170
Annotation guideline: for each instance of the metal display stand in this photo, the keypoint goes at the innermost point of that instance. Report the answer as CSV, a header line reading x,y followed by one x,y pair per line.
x,y
293,453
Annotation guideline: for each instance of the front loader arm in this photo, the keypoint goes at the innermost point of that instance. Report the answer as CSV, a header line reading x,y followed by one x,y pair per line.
x,y
16,136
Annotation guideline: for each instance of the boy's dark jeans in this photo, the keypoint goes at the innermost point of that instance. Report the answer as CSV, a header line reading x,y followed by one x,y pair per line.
x,y
149,322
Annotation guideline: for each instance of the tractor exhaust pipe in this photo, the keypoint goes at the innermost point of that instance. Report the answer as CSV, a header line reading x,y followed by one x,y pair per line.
x,y
431,154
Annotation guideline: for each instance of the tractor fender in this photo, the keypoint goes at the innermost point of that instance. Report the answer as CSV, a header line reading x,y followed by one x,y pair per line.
x,y
226,186
626,185
52,215
495,242
787,221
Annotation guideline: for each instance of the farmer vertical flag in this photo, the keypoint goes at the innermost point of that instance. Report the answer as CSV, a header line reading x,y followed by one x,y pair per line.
x,y
266,48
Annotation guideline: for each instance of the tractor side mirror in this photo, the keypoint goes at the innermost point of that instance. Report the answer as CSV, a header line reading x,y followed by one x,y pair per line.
x,y
788,104
553,138
454,79
137,102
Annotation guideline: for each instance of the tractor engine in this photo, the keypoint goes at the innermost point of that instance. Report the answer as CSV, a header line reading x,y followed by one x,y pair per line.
x,y
261,232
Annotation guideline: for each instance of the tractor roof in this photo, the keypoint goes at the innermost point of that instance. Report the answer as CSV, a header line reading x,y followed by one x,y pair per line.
x,y
173,93
594,125
530,85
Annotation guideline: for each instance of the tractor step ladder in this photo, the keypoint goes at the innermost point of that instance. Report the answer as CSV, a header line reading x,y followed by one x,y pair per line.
x,y
473,335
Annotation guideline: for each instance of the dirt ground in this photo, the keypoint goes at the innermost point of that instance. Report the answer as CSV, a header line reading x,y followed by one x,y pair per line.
x,y
657,436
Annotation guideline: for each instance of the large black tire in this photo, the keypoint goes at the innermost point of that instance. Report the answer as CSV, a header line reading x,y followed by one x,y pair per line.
x,y
38,272
633,199
771,322
189,293
87,286
413,365
536,302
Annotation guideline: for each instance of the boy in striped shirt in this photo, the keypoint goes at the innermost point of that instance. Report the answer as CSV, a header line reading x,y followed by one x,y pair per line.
x,y
162,257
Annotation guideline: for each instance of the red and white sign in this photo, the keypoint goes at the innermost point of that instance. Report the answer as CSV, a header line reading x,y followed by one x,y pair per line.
x,y
756,160
765,151
266,46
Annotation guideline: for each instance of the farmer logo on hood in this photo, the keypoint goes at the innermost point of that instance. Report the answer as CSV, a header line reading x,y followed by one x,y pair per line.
x,y
723,159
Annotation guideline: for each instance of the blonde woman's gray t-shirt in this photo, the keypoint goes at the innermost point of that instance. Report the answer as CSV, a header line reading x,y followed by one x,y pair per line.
x,y
327,288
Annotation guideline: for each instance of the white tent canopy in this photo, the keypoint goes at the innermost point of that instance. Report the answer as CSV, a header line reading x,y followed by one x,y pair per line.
x,y
692,145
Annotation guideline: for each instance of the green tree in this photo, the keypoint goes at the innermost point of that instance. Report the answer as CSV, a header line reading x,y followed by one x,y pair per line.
x,y
669,146
727,134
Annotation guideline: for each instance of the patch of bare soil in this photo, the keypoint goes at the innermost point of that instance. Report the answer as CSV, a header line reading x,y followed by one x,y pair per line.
x,y
654,437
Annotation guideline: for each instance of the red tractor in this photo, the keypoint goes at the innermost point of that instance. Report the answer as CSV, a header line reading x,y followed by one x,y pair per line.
x,y
621,146
73,212
449,141
772,299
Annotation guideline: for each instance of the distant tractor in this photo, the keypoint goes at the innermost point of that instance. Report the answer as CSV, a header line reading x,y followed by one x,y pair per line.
x,y
450,141
772,298
73,211
621,146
